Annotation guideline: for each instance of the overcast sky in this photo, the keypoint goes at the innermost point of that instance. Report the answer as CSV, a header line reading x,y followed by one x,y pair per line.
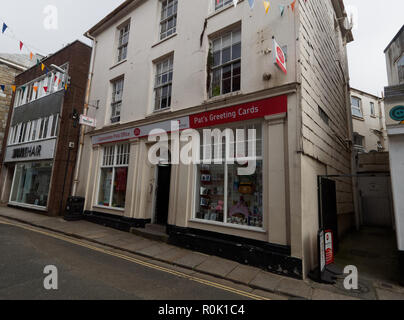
x,y
377,23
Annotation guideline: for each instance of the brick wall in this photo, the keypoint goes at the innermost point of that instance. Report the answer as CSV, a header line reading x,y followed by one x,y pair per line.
x,y
78,56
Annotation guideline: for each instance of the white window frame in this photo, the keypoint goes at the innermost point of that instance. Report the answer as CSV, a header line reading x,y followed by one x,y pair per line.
x,y
165,18
123,41
222,65
356,108
222,4
159,85
116,104
114,165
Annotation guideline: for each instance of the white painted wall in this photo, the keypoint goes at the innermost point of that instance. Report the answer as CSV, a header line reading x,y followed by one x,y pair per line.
x,y
190,59
397,177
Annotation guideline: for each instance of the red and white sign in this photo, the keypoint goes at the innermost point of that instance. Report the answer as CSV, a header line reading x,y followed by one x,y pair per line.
x,y
329,247
87,121
279,57
139,132
239,113
242,112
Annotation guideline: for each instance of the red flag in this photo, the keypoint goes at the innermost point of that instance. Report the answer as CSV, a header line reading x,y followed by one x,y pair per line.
x,y
46,89
21,44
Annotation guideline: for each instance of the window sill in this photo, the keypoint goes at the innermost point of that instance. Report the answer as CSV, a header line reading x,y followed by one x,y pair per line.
x,y
228,225
223,97
109,208
27,206
358,118
219,11
164,40
158,112
118,64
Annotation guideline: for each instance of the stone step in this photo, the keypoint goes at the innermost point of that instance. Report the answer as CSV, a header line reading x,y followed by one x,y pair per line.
x,y
152,232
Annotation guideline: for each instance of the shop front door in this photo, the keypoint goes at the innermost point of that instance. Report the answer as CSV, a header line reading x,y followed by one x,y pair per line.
x,y
162,194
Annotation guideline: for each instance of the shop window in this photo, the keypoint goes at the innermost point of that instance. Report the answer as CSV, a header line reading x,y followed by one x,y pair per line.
x,y
224,196
113,176
163,84
116,104
356,107
226,63
123,42
168,22
31,183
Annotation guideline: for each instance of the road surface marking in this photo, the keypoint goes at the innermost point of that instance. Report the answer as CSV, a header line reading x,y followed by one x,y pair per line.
x,y
134,260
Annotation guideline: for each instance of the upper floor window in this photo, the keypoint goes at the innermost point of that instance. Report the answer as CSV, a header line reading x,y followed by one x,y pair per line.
x,y
359,140
168,22
222,3
123,42
47,84
372,109
163,84
34,130
400,67
226,68
116,101
356,107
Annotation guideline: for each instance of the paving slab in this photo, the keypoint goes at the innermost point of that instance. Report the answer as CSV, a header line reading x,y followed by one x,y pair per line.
x,y
138,245
243,274
155,250
173,254
295,288
217,266
269,295
266,281
191,260
383,294
324,295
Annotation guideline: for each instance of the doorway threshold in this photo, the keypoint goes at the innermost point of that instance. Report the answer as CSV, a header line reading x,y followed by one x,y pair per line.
x,y
152,232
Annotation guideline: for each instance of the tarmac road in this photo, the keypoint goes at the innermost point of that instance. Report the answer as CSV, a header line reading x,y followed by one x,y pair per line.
x,y
91,273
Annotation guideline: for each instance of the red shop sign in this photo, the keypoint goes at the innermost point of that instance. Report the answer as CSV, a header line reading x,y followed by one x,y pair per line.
x,y
242,112
329,247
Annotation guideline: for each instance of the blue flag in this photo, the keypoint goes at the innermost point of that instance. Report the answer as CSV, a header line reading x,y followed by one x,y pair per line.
x,y
2,87
251,2
4,28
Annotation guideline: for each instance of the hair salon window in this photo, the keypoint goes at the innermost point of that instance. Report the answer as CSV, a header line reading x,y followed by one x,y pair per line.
x,y
113,176
224,196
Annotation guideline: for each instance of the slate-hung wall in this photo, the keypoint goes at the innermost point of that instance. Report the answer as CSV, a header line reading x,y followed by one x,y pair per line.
x,y
325,124
77,55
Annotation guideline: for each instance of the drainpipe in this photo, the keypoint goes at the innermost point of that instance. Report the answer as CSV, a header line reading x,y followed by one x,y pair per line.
x,y
85,112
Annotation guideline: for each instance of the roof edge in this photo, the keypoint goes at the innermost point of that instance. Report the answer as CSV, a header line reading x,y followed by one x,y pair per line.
x,y
394,39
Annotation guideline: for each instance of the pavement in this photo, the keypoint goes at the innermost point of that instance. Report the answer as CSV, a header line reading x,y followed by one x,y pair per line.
x,y
248,278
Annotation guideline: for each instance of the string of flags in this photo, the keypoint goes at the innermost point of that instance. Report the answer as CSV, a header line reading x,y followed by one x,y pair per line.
x,y
267,5
4,29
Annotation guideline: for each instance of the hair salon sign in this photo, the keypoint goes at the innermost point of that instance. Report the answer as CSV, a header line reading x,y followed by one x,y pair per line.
x,y
43,150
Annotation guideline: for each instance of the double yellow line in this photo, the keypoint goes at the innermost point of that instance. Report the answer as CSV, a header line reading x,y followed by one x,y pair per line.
x,y
134,260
